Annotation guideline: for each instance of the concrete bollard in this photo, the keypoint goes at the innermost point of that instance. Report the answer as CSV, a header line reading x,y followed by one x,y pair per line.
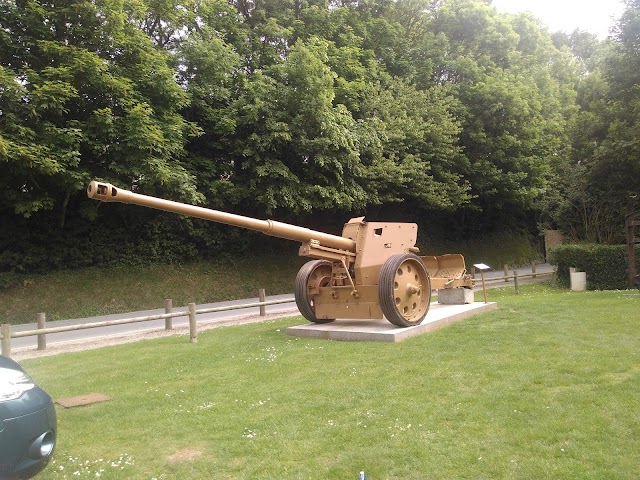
x,y
578,281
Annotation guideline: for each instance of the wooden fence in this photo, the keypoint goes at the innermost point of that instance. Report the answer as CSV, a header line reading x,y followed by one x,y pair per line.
x,y
41,331
516,277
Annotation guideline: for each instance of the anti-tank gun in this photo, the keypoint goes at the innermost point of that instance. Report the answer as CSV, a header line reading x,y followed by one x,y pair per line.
x,y
371,271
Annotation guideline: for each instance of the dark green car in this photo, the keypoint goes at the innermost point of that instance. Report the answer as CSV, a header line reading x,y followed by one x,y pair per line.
x,y
27,423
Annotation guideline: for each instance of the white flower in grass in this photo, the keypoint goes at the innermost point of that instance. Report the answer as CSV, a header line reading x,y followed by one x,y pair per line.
x,y
250,434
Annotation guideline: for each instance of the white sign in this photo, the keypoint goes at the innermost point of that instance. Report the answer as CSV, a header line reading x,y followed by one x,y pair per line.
x,y
481,266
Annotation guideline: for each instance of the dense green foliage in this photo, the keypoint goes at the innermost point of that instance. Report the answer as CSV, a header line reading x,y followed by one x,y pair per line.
x,y
605,265
446,112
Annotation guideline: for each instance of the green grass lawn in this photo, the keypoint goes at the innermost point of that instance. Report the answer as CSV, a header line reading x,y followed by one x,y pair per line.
x,y
547,386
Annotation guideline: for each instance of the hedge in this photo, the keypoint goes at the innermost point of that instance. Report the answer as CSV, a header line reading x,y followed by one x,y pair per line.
x,y
605,265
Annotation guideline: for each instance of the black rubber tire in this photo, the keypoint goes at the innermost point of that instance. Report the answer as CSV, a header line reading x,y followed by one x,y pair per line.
x,y
308,273
402,308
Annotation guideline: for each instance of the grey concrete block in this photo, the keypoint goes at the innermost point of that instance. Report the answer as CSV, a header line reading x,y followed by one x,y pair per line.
x,y
455,296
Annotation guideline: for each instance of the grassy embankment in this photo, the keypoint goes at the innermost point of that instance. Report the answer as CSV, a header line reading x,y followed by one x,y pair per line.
x,y
98,291
544,387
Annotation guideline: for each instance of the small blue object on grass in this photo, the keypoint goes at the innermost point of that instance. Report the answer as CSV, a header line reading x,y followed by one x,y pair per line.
x,y
362,476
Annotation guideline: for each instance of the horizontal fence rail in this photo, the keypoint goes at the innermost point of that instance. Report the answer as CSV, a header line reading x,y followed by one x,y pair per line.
x,y
517,275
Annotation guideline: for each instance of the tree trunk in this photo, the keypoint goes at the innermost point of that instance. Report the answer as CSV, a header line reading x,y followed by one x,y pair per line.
x,y
63,209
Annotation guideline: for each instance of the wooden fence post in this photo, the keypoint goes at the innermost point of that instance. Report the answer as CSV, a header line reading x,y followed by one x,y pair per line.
x,y
515,281
5,329
41,320
533,269
261,297
193,327
484,288
168,306
506,273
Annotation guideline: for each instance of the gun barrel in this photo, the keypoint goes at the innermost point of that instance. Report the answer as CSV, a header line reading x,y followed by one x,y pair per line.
x,y
108,193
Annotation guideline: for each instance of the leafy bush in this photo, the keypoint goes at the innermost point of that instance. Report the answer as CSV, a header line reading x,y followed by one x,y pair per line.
x,y
605,265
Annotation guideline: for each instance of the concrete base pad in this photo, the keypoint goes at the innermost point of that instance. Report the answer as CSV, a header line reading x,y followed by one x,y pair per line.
x,y
382,331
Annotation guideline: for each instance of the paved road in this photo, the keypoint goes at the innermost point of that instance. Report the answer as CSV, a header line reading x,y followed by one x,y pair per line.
x,y
287,309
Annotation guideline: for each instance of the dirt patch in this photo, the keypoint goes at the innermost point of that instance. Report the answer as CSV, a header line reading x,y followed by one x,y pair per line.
x,y
83,400
185,455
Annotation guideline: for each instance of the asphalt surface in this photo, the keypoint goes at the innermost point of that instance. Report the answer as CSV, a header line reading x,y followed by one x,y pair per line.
x,y
225,317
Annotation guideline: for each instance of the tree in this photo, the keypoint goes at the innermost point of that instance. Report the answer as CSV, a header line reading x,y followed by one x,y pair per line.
x,y
604,169
84,94
411,151
515,94
295,149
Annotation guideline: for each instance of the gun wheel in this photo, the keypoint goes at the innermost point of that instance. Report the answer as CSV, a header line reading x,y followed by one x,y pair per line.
x,y
311,276
404,290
